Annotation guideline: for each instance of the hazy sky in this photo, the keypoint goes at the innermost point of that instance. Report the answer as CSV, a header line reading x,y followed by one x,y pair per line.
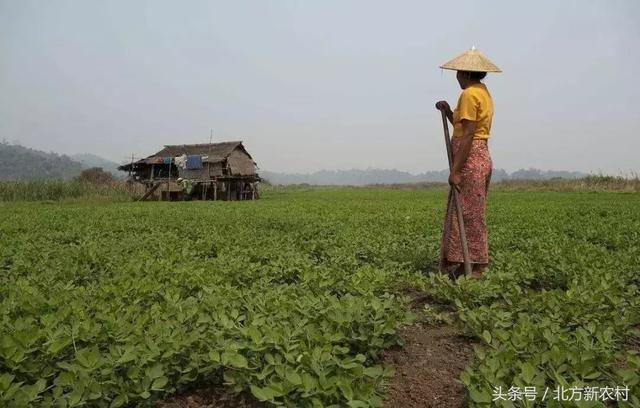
x,y
311,85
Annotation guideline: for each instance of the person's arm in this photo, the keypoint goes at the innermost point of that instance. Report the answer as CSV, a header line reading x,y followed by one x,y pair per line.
x,y
444,106
468,129
460,158
468,106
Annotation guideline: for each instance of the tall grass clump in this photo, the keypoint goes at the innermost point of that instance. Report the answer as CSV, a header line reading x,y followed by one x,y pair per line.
x,y
591,183
57,190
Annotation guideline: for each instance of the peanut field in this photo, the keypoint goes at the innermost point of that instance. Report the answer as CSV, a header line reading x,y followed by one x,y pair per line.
x,y
293,298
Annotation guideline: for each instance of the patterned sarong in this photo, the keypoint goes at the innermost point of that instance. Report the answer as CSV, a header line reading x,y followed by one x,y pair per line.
x,y
476,174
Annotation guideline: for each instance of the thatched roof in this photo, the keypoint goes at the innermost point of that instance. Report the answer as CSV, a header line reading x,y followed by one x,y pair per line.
x,y
220,150
216,152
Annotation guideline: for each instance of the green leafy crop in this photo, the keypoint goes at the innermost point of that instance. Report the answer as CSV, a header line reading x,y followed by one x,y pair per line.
x,y
293,297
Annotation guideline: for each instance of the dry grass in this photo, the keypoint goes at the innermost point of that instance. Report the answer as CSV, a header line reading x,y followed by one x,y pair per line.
x,y
57,190
595,183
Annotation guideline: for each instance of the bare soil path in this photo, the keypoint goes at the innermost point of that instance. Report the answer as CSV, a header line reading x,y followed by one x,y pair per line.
x,y
428,367
213,397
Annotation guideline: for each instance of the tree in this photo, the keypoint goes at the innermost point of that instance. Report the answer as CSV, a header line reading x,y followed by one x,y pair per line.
x,y
95,175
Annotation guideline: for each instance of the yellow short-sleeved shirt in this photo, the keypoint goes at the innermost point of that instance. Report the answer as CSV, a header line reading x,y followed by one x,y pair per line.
x,y
475,104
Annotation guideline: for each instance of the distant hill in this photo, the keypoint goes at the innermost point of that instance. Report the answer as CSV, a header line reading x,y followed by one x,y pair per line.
x,y
21,163
91,160
379,176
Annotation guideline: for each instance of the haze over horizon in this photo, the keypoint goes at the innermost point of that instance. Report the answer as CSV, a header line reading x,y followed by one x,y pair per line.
x,y
326,85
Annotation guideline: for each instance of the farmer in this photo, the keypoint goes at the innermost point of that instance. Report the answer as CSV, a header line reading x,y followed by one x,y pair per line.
x,y
472,165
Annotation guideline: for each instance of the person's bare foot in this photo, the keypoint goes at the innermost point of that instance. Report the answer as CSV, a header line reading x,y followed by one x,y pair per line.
x,y
456,272
476,272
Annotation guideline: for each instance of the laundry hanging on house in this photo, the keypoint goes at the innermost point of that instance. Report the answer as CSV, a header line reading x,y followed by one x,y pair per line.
x,y
194,162
181,161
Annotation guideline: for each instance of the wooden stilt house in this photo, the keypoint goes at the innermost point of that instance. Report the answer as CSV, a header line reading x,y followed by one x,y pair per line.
x,y
211,171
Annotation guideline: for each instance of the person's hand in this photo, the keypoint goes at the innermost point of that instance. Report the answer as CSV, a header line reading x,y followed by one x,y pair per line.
x,y
454,180
443,106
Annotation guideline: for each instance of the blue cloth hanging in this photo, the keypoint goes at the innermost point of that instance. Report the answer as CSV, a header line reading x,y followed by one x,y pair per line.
x,y
194,162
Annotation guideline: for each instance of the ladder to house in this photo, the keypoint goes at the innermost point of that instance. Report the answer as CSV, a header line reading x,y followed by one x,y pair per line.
x,y
150,191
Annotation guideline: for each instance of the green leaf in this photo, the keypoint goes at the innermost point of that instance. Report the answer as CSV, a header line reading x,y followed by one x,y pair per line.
x,y
214,356
5,381
133,372
465,377
40,385
128,355
30,392
293,377
234,359
263,394
593,376
118,401
59,344
346,390
270,359
486,336
528,372
95,391
309,382
155,371
145,395
159,383
373,372
13,390
88,357
76,395
255,334
480,396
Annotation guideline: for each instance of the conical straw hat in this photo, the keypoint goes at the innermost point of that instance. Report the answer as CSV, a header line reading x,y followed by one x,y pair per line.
x,y
471,60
